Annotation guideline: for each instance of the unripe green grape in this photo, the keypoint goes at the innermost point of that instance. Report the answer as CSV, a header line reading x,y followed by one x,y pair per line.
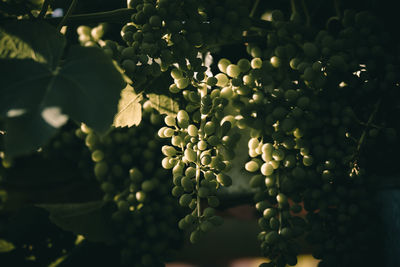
x,y
244,65
135,175
256,63
101,169
168,132
187,184
140,196
203,192
212,81
192,130
272,237
91,140
223,63
148,185
107,187
209,175
224,179
252,166
294,62
270,181
233,70
209,128
166,163
226,92
174,89
308,160
129,65
202,145
267,169
213,201
274,223
170,121
278,154
248,80
190,155
182,83
185,200
155,21
168,151
177,191
298,133
206,160
209,212
206,226
281,198
267,148
176,140
195,236
190,172
269,213
183,119
275,62
222,80
310,50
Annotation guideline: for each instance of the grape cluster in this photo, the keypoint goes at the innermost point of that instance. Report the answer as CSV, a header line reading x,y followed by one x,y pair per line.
x,y
300,96
167,32
199,156
127,167
92,36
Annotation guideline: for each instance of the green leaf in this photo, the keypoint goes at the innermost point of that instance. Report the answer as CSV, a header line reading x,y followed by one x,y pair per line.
x,y
88,219
129,108
163,104
35,40
38,86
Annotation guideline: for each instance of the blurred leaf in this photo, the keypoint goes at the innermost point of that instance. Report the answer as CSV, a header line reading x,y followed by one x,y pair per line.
x,y
163,104
6,246
39,91
129,108
88,219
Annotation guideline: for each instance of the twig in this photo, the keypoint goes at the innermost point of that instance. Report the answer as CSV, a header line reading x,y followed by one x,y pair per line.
x,y
337,8
254,8
67,15
306,13
44,9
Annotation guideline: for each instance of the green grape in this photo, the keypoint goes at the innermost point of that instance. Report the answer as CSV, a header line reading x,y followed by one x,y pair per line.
x,y
222,80
233,70
223,64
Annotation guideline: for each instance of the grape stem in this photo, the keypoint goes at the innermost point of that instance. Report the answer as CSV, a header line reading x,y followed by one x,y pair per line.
x,y
306,13
355,168
337,8
203,92
67,15
44,9
279,210
254,8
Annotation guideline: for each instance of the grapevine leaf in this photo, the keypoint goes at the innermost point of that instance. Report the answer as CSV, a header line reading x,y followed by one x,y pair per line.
x,y
32,39
37,84
80,217
129,108
163,104
25,132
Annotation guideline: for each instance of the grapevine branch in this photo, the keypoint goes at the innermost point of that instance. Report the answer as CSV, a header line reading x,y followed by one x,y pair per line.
x,y
67,15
